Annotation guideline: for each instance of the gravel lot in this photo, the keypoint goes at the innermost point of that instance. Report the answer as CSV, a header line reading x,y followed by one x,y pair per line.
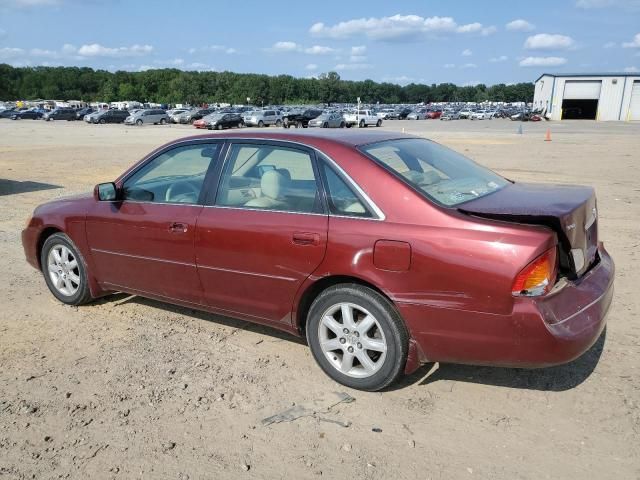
x,y
133,388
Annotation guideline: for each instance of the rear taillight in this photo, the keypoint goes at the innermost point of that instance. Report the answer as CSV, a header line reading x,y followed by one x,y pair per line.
x,y
538,277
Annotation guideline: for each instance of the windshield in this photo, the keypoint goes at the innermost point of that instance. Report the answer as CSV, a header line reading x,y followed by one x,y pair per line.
x,y
441,174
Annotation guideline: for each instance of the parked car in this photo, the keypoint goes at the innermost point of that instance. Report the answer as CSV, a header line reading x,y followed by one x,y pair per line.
x,y
109,116
300,118
89,116
263,118
328,120
416,115
60,114
434,114
481,115
32,114
84,111
219,121
450,115
150,116
362,118
468,268
8,113
403,112
193,115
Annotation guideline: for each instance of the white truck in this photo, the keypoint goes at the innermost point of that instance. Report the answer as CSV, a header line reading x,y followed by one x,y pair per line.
x,y
362,118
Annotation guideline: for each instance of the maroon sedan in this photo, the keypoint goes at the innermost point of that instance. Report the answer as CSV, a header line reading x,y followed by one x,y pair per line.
x,y
385,250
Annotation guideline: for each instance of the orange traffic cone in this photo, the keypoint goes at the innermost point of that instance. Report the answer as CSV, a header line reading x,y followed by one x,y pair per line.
x,y
547,137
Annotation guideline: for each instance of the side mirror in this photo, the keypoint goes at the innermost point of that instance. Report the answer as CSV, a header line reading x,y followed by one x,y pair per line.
x,y
106,192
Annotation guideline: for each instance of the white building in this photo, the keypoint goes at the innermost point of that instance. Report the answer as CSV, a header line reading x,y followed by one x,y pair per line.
x,y
604,96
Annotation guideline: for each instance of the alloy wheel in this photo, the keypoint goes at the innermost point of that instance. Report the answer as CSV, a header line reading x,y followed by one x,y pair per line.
x,y
352,340
63,270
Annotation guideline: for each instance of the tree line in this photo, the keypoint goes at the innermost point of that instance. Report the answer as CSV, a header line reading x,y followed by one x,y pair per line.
x,y
176,86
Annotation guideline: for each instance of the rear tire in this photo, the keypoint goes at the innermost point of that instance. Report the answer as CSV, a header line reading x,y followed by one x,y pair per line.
x,y
139,122
342,125
381,342
163,121
278,123
260,124
362,124
65,270
102,121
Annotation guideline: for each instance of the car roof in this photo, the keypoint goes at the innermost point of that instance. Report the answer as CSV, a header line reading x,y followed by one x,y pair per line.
x,y
349,138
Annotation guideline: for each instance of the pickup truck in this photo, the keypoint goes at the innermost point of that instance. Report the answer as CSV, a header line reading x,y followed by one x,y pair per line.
x,y
362,118
299,119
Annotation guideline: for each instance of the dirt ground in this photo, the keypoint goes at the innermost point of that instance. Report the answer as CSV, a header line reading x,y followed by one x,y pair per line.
x,y
132,388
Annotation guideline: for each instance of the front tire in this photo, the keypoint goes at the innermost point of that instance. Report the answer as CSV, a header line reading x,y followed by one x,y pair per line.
x,y
379,123
65,270
357,337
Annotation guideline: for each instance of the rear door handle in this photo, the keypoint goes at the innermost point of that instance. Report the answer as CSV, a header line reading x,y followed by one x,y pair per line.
x,y
178,227
301,238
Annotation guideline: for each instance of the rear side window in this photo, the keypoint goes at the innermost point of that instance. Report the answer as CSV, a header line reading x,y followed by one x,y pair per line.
x,y
341,198
269,177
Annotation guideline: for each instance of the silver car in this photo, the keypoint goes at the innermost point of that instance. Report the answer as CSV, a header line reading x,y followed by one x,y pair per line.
x,y
263,118
328,120
151,116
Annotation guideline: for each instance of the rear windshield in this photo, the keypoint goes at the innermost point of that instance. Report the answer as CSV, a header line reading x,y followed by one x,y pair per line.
x,y
439,173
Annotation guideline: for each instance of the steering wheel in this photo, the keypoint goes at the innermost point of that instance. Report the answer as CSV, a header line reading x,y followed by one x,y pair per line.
x,y
181,188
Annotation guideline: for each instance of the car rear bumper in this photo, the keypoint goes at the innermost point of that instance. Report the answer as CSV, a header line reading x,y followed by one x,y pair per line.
x,y
539,332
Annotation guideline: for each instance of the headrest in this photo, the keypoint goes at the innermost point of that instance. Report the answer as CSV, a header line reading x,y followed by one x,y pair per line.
x,y
273,184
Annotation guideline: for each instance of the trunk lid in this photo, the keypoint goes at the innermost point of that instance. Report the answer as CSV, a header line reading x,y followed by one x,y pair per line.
x,y
568,209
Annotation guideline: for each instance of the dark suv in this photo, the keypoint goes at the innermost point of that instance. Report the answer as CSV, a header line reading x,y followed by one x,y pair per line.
x,y
61,114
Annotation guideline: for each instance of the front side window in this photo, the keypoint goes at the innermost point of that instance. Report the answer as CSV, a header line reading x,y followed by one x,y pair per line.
x,y
439,173
269,177
175,176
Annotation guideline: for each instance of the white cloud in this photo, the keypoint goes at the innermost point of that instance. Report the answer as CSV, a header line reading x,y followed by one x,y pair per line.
x,y
201,67
501,58
542,61
401,79
213,49
632,69
285,47
488,31
311,66
469,65
39,52
469,28
97,50
466,52
635,43
319,50
396,27
520,25
351,66
358,50
449,65
548,41
8,52
28,3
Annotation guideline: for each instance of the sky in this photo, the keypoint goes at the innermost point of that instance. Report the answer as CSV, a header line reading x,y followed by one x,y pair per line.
x,y
463,42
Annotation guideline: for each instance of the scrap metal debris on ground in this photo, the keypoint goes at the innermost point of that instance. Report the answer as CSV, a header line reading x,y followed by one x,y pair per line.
x,y
319,405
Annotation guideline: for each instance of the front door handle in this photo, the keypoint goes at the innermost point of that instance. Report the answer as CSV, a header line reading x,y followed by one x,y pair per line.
x,y
302,238
178,227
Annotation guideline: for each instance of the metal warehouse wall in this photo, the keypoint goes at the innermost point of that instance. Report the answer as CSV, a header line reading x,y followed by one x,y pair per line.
x,y
614,98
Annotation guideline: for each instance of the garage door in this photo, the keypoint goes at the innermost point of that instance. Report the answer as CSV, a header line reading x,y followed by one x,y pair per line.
x,y
581,90
634,108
